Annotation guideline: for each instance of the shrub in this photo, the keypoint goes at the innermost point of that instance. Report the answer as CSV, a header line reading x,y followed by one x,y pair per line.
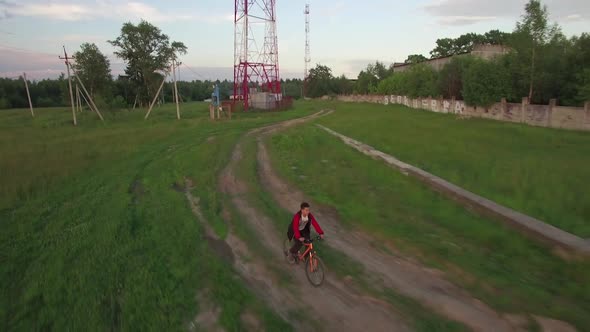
x,y
485,83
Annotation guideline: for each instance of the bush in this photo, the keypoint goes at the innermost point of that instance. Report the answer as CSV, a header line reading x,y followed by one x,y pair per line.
x,y
452,75
485,83
4,103
118,103
419,81
394,84
422,81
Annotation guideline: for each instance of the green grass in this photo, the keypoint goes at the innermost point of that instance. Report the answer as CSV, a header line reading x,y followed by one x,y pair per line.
x,y
496,264
93,233
419,317
538,171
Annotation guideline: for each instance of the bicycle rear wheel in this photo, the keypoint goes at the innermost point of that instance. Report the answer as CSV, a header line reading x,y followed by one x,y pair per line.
x,y
314,270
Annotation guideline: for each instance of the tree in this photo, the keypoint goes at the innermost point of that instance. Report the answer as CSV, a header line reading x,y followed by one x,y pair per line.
x,y
93,68
496,37
452,75
583,86
320,82
342,85
444,47
146,50
577,66
369,78
464,43
535,29
486,82
415,58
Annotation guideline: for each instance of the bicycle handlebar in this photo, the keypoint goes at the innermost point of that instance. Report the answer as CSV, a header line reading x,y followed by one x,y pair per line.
x,y
312,239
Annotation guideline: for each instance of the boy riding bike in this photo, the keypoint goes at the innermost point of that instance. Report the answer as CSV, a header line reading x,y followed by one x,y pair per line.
x,y
299,228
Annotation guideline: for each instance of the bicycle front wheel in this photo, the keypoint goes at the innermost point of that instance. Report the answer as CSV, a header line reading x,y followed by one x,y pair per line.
x,y
314,270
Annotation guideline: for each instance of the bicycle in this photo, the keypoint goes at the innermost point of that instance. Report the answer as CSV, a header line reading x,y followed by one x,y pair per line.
x,y
314,267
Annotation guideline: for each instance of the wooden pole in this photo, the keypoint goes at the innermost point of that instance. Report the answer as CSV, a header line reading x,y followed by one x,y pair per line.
x,y
89,98
155,98
86,100
175,90
135,102
552,105
70,86
78,101
523,107
28,94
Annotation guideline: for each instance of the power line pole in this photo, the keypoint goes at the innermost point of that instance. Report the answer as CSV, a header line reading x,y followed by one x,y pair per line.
x,y
156,96
28,94
67,59
78,101
175,89
92,104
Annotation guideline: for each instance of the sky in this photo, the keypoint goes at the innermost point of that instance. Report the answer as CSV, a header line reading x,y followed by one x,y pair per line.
x,y
346,35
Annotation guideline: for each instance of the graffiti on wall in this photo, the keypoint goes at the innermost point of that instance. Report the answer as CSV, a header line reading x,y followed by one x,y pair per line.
x,y
446,106
424,104
459,107
434,105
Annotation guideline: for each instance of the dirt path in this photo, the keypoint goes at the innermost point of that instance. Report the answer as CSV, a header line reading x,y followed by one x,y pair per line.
x,y
406,277
335,305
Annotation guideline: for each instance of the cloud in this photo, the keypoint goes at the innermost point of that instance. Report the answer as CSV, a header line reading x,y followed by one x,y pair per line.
x,y
101,9
464,12
464,20
18,60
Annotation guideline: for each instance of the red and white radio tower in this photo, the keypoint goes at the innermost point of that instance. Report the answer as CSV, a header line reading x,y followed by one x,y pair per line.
x,y
254,67
307,51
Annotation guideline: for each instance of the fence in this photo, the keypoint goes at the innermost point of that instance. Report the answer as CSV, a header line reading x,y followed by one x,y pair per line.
x,y
576,118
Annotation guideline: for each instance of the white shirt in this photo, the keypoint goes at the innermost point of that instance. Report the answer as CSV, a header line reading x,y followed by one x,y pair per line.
x,y
303,222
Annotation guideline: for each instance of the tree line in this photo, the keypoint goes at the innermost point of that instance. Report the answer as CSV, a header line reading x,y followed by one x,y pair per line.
x,y
542,64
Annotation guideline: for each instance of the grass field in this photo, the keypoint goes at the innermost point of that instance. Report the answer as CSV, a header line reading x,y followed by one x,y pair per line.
x,y
541,172
496,264
94,234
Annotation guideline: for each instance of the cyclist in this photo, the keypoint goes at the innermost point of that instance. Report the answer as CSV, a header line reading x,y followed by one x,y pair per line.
x,y
299,228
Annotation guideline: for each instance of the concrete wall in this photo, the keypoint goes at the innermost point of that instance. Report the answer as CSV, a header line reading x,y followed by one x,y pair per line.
x,y
577,118
482,51
489,51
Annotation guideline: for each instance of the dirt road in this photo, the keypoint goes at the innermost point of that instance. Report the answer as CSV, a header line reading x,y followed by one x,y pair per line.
x,y
335,306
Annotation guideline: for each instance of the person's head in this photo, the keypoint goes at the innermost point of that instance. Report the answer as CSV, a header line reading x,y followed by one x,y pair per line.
x,y
304,209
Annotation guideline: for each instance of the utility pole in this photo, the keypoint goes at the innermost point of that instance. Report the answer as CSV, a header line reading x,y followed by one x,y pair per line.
x,y
175,89
28,94
67,59
78,100
92,104
156,96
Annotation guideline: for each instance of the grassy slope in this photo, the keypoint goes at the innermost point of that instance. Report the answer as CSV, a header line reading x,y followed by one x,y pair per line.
x,y
538,171
93,233
497,264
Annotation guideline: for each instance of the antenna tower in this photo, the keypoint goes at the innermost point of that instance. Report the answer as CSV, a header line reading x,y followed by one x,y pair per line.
x,y
256,52
307,51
